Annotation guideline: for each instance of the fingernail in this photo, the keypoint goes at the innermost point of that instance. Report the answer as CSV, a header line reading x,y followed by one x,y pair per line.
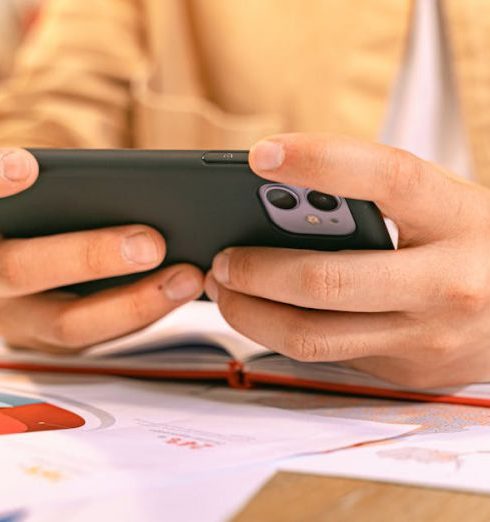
x,y
182,286
15,166
268,155
211,289
221,268
140,248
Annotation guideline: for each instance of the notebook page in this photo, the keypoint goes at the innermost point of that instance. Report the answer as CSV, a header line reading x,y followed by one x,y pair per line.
x,y
186,359
337,373
193,324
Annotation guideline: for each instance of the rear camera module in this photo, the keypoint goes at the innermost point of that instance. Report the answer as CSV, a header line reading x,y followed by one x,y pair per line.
x,y
282,198
323,202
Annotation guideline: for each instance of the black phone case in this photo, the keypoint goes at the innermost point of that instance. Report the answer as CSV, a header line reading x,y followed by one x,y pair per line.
x,y
199,207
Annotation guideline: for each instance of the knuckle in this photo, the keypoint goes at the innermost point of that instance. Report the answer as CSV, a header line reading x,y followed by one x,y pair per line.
x,y
12,271
66,332
472,300
94,258
320,158
401,173
311,154
138,306
305,343
301,344
242,269
469,292
445,345
322,281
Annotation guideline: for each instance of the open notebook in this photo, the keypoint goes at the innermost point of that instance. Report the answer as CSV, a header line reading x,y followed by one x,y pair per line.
x,y
195,342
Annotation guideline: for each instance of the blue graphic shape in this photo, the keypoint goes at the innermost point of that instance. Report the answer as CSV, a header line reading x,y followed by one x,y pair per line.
x,y
7,400
16,516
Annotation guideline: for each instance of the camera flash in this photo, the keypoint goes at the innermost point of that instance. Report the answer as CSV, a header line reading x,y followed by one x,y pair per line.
x,y
312,219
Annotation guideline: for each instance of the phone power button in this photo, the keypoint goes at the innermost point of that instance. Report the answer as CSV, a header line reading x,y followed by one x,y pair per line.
x,y
225,156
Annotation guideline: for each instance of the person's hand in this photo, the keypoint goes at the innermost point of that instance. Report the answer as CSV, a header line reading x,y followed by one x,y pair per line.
x,y
418,316
32,316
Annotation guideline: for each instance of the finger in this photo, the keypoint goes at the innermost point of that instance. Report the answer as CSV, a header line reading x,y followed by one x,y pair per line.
x,y
403,186
18,171
420,373
373,281
413,373
61,323
33,265
310,335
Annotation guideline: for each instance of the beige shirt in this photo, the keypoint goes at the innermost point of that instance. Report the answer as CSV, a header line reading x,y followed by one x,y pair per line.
x,y
13,14
223,73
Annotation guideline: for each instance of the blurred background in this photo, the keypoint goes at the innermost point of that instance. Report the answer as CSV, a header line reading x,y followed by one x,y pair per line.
x,y
17,17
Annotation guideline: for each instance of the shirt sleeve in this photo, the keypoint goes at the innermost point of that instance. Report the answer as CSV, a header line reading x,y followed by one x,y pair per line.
x,y
71,82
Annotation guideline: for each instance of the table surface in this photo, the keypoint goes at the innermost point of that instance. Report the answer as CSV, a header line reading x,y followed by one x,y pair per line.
x,y
292,497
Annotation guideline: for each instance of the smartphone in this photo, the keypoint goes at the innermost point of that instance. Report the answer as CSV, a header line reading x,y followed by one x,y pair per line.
x,y
201,201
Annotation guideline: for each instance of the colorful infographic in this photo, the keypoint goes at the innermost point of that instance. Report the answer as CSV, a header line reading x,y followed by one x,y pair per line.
x,y
21,414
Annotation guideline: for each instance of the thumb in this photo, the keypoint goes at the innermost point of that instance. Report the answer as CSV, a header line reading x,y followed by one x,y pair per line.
x,y
415,194
18,171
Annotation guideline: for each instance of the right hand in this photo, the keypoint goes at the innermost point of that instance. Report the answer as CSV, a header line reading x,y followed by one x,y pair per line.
x,y
33,316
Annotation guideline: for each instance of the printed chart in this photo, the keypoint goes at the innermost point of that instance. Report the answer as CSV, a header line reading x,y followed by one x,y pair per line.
x,y
23,414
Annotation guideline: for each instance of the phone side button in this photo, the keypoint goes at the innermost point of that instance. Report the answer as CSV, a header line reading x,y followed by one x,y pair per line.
x,y
225,156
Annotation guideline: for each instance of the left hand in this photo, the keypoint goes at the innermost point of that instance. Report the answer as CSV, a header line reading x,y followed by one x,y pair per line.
x,y
418,316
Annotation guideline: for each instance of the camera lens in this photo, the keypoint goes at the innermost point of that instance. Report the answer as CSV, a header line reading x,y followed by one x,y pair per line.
x,y
322,201
282,198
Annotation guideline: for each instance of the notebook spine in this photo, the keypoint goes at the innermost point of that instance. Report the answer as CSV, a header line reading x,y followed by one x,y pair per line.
x,y
236,376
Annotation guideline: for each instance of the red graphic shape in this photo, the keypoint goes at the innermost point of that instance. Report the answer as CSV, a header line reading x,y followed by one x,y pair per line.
x,y
9,425
39,416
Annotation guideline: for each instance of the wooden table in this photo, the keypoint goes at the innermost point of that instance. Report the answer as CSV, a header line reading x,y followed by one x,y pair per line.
x,y
293,497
